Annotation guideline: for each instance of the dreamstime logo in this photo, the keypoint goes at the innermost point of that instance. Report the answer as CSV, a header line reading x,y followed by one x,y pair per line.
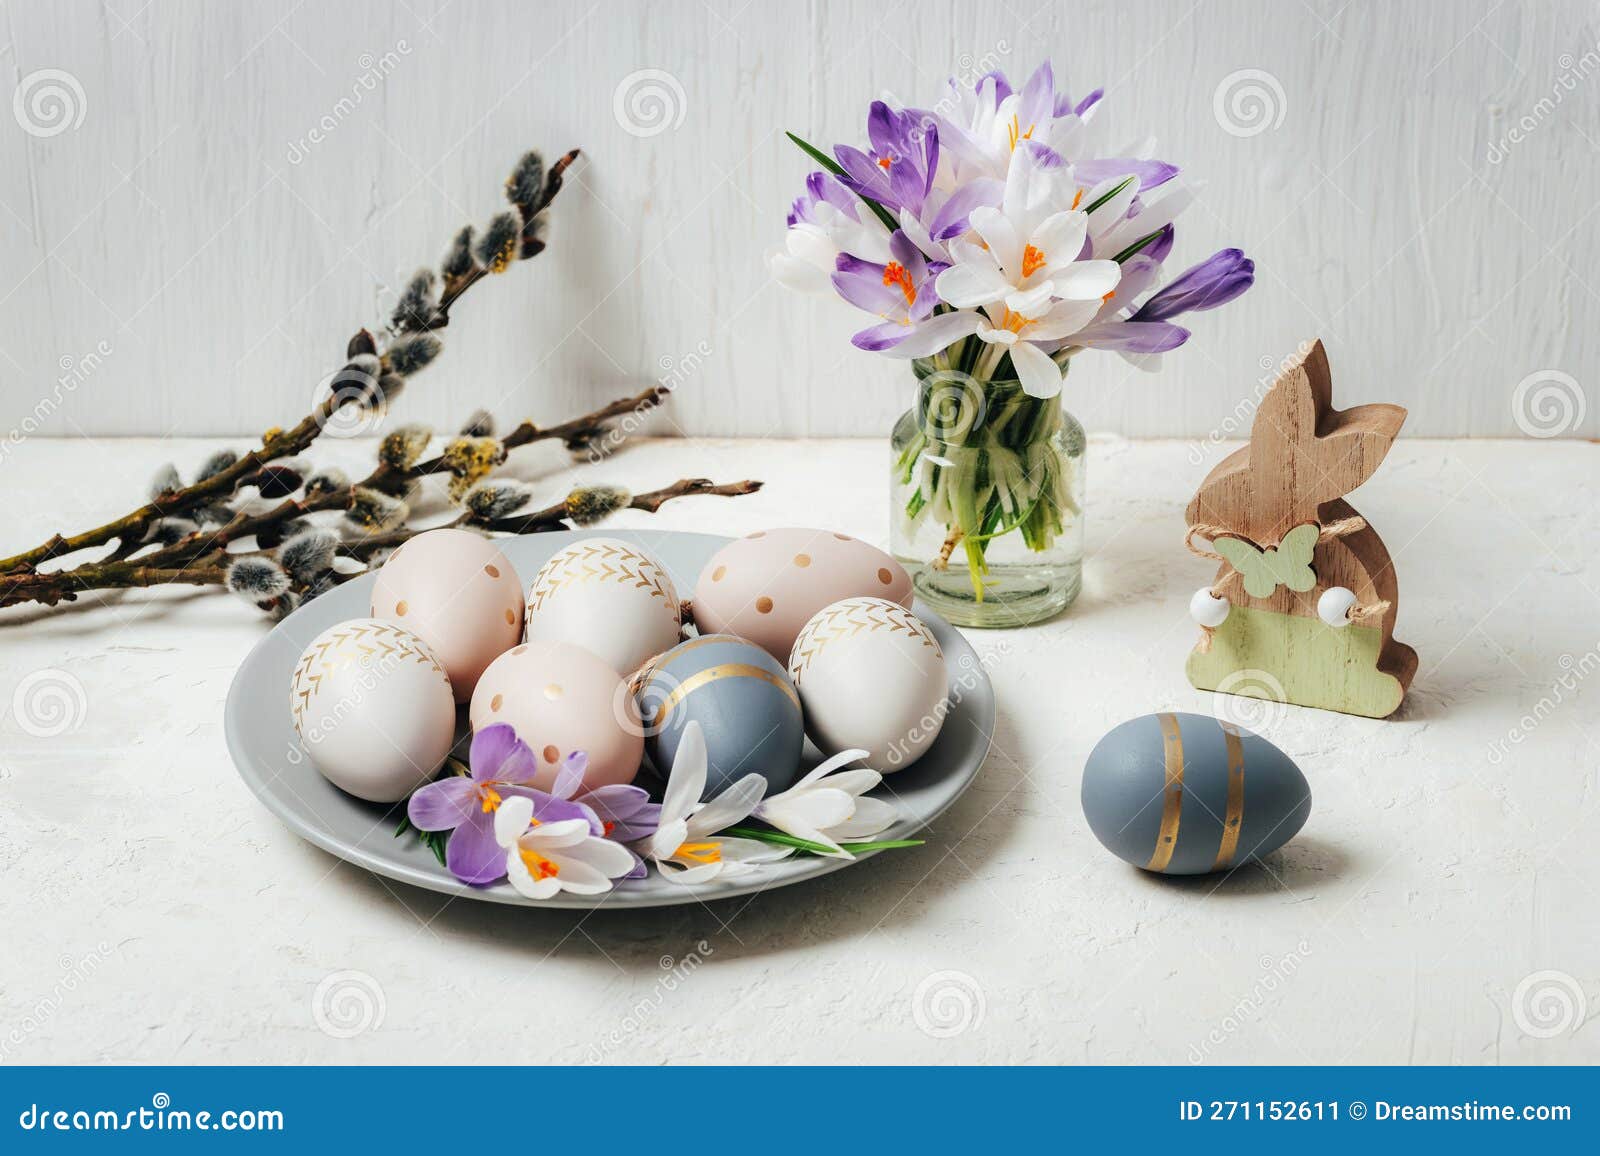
x,y
969,71
1573,672
1547,1004
649,102
1244,412
1572,71
1276,972
1548,403
348,1003
1249,102
1250,699
951,404
49,703
74,372
964,681
641,703
374,70
948,1004
359,403
49,102
675,972
371,674
75,971
674,372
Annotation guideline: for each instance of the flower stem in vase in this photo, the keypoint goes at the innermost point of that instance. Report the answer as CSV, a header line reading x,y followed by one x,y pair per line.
x,y
980,465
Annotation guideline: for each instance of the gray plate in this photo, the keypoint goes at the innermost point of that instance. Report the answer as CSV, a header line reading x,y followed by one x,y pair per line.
x,y
273,764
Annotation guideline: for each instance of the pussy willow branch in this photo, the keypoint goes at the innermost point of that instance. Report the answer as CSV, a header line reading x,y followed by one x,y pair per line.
x,y
212,570
276,443
384,477
554,517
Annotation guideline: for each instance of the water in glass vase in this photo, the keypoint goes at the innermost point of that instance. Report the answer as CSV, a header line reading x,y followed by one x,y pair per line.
x,y
986,492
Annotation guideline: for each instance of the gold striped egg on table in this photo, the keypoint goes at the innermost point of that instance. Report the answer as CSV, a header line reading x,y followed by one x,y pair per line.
x,y
457,592
373,708
1188,794
871,675
748,710
766,586
608,596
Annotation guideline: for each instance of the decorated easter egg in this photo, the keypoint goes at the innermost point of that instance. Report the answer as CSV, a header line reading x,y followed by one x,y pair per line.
x,y
607,596
457,592
744,702
871,675
373,708
1186,794
561,698
767,585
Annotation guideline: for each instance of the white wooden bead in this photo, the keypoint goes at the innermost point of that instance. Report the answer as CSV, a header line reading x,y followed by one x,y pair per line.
x,y
1334,605
1207,609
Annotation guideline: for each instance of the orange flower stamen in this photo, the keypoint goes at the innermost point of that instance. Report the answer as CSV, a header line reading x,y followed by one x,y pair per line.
x,y
895,273
1032,261
1078,199
538,866
1013,133
491,799
699,852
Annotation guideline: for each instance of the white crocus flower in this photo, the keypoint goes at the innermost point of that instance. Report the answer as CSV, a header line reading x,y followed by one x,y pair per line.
x,y
811,247
827,806
1024,273
544,858
685,848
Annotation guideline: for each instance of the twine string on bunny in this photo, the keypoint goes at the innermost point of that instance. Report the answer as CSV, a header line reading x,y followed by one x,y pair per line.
x,y
1357,615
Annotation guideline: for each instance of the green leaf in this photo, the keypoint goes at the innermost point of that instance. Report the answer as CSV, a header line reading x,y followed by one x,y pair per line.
x,y
1107,195
433,840
1141,244
880,845
783,840
889,220
816,154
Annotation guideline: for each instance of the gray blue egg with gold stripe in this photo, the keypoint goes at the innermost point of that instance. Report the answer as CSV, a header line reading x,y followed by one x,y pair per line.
x,y
1188,794
743,700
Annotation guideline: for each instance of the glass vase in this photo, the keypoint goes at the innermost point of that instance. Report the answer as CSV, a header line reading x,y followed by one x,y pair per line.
x,y
986,493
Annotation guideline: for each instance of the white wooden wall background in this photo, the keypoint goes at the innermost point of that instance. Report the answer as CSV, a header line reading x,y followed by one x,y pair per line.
x,y
218,265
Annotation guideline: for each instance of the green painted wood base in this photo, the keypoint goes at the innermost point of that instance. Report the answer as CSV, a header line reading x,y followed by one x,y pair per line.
x,y
1257,652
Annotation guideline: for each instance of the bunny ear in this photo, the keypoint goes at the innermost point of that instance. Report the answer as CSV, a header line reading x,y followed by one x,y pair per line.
x,y
1358,443
1302,454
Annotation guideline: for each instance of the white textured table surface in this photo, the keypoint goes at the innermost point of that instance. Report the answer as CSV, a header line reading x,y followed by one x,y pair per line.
x,y
1438,907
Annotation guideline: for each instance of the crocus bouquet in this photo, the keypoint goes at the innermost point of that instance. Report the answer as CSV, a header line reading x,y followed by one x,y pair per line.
x,y
992,239
486,822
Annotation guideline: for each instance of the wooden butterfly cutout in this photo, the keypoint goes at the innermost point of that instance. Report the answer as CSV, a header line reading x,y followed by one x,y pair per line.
x,y
1288,563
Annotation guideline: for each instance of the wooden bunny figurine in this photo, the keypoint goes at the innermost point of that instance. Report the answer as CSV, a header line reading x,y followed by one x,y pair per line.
x,y
1304,603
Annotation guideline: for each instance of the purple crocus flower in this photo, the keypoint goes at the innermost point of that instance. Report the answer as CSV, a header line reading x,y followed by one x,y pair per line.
x,y
501,764
1151,173
905,153
822,188
1215,281
902,293
619,812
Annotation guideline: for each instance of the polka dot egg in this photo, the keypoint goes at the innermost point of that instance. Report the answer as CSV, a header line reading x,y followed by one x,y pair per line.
x,y
765,587
457,592
561,698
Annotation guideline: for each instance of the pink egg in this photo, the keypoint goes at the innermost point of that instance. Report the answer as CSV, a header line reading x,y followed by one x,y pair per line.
x,y
457,592
561,698
766,586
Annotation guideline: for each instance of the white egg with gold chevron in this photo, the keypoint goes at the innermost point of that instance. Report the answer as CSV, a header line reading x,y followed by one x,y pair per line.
x,y
870,675
373,708
608,596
